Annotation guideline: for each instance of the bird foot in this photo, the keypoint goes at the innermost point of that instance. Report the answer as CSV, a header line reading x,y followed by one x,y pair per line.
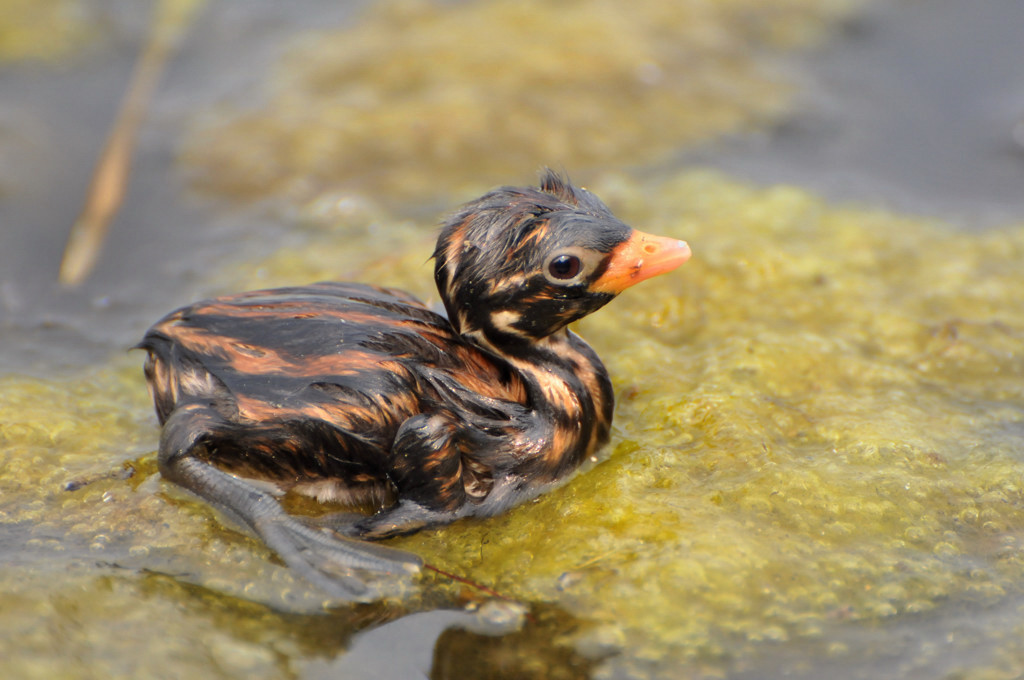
x,y
342,567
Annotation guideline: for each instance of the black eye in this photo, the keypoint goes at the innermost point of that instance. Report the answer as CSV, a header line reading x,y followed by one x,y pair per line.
x,y
564,267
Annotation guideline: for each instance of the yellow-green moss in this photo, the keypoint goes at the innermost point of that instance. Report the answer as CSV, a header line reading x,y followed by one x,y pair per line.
x,y
425,100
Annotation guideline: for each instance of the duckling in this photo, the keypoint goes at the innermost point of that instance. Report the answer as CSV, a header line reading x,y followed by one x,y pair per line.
x,y
359,394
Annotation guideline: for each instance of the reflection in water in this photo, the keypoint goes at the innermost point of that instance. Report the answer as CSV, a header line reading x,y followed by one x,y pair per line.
x,y
416,636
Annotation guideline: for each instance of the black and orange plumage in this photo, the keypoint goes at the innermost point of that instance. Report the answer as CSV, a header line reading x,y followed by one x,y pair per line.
x,y
356,393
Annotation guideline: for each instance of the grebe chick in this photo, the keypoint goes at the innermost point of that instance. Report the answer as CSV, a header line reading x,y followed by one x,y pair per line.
x,y
359,394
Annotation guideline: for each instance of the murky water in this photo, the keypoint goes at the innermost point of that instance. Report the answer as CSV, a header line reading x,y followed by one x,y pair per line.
x,y
817,466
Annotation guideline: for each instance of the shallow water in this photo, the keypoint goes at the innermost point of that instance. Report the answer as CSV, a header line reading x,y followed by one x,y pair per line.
x,y
817,462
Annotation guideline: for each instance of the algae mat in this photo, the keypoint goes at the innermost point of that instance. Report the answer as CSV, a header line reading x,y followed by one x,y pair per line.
x,y
422,99
820,429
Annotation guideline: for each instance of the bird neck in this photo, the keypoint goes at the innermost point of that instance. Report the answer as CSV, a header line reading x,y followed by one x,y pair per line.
x,y
568,385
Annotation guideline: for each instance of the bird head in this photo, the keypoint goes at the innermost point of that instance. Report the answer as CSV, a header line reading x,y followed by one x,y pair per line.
x,y
520,263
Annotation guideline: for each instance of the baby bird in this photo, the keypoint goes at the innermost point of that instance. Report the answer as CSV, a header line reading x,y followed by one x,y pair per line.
x,y
359,394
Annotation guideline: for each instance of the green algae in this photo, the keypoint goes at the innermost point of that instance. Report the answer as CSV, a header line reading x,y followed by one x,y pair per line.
x,y
106,568
819,424
418,100
123,625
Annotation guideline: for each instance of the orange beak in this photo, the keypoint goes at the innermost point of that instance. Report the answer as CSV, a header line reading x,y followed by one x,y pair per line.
x,y
640,257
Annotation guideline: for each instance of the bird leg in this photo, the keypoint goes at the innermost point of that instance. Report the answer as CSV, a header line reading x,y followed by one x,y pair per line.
x,y
324,558
427,468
